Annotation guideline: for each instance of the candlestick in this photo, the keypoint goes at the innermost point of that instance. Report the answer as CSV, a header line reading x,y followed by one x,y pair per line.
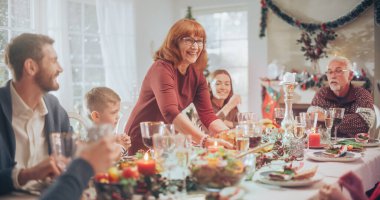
x,y
146,166
288,83
314,140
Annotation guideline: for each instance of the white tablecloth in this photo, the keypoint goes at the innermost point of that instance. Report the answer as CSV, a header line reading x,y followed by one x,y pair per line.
x,y
368,168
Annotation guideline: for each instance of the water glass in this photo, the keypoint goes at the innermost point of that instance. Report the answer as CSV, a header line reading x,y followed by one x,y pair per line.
x,y
247,118
338,114
96,132
148,129
63,147
171,152
247,136
297,147
299,127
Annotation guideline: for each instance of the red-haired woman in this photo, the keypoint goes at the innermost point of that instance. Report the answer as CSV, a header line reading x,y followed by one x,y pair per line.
x,y
173,82
223,99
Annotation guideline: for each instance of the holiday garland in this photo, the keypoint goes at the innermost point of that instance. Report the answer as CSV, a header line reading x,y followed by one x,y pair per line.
x,y
310,27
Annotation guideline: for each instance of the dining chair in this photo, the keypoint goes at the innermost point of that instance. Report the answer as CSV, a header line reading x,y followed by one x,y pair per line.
x,y
79,124
125,110
375,131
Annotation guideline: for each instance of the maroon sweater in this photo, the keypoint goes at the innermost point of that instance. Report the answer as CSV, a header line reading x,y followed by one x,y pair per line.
x,y
165,92
358,104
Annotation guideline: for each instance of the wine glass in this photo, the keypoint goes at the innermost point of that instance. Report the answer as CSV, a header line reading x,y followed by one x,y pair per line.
x,y
338,114
247,118
279,115
299,127
63,147
329,121
297,145
148,129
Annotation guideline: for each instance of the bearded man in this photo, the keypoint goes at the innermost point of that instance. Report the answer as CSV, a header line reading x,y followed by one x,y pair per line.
x,y
28,113
359,115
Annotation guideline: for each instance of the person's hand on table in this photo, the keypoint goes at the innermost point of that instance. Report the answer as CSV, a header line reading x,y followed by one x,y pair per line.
x,y
124,140
354,185
331,192
46,169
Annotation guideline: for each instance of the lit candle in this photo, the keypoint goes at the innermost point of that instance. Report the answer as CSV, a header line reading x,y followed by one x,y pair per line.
x,y
314,139
146,166
213,148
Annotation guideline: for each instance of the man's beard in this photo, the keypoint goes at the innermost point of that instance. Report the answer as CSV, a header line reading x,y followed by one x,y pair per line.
x,y
335,88
46,83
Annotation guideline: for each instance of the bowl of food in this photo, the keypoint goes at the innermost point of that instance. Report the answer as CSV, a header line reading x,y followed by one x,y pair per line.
x,y
362,137
117,183
215,171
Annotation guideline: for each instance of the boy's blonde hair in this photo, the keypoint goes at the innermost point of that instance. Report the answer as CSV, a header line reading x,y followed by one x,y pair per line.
x,y
98,98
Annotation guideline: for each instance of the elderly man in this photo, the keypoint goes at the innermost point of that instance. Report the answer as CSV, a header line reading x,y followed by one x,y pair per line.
x,y
359,114
28,114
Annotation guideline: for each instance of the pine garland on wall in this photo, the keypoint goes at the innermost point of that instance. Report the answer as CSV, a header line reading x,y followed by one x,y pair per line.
x,y
315,36
309,27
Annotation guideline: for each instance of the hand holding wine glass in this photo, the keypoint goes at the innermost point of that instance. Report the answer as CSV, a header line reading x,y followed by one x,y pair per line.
x,y
63,147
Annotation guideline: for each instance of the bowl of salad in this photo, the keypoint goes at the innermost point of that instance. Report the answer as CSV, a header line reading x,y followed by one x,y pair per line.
x,y
215,171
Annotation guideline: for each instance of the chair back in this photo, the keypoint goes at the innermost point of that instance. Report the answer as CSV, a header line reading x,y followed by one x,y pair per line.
x,y
79,124
125,110
375,131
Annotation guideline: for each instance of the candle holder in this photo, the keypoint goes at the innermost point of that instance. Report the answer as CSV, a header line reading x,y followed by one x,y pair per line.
x,y
288,121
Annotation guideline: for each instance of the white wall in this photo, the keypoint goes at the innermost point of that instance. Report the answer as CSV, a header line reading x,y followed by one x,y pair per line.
x,y
153,20
355,40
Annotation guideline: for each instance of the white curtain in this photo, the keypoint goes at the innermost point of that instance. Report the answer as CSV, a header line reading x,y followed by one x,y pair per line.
x,y
117,35
52,18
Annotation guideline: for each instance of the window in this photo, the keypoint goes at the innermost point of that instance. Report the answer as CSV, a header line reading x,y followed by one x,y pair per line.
x,y
227,45
85,51
16,17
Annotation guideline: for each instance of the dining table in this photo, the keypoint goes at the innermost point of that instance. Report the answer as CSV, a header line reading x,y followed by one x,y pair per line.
x,y
367,167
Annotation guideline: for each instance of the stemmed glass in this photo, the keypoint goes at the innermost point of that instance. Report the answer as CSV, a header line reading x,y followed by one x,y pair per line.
x,y
338,114
63,146
148,129
329,121
247,118
299,127
297,145
279,115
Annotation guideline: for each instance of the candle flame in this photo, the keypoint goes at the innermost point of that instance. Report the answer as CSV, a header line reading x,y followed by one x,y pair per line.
x,y
215,144
146,156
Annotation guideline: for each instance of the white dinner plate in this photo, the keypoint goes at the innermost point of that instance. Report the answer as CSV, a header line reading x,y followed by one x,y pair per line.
x,y
370,143
264,178
320,156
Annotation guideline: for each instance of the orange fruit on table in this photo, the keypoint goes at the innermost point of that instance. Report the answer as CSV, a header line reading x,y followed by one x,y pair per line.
x,y
114,174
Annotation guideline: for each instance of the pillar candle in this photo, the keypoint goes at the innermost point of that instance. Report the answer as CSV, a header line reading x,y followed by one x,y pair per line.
x,y
314,139
146,166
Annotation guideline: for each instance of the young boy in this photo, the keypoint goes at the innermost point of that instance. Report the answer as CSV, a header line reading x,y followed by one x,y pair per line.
x,y
103,105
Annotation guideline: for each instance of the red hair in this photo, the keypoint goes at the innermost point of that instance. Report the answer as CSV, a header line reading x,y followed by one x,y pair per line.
x,y
169,50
